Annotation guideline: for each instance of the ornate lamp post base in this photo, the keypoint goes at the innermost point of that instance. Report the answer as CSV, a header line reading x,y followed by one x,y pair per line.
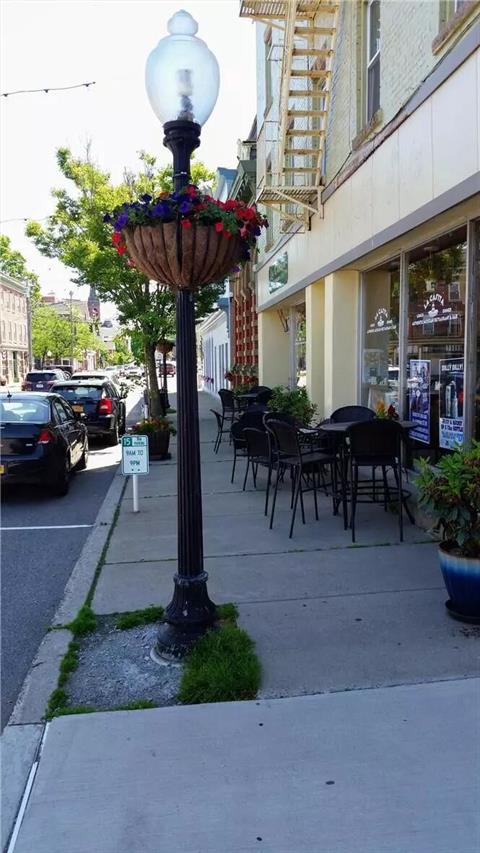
x,y
189,615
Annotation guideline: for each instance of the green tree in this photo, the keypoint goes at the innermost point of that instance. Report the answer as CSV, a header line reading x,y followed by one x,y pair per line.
x,y
14,264
62,336
76,234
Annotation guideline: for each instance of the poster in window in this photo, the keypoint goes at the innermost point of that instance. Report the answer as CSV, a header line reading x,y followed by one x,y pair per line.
x,y
451,402
419,398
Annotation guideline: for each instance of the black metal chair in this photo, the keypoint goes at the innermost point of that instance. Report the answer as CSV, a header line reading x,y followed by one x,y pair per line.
x,y
221,430
251,418
352,413
376,444
291,456
227,399
258,453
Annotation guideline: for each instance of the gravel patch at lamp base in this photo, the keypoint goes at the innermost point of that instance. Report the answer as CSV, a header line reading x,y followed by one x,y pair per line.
x,y
115,668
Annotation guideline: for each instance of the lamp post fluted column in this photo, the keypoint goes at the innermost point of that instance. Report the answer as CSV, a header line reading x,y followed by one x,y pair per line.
x,y
190,612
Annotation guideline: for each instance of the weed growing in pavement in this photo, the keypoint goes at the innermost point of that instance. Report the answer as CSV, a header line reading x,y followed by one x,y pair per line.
x,y
139,617
227,613
58,699
101,561
222,667
135,705
84,622
68,663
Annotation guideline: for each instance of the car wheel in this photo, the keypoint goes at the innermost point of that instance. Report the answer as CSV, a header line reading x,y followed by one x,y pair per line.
x,y
113,437
61,484
82,464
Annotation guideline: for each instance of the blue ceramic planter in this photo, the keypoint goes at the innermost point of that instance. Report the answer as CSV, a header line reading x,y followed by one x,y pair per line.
x,y
462,579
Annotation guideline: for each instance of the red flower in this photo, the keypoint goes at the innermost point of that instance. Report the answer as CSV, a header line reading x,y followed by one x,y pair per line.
x,y
121,250
227,234
191,190
218,227
186,223
116,237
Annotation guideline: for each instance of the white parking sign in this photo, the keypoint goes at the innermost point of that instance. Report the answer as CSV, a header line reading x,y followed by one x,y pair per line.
x,y
135,454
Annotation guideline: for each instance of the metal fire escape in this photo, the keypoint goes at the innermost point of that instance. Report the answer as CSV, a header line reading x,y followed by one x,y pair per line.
x,y
296,160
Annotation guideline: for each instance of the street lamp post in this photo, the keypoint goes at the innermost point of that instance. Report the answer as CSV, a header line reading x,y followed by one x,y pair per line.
x,y
182,81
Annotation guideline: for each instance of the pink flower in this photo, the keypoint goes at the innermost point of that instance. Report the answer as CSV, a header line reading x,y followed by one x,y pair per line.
x,y
218,227
186,223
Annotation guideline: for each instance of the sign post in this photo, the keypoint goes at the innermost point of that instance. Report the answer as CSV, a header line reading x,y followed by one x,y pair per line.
x,y
135,461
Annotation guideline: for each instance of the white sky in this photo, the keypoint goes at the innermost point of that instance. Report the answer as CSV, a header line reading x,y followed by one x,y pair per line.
x,y
47,43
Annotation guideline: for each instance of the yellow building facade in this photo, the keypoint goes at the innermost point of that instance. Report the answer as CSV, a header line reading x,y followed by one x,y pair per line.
x,y
368,164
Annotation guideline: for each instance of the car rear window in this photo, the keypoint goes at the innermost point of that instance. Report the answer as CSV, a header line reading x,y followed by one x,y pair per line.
x,y
79,392
24,411
41,376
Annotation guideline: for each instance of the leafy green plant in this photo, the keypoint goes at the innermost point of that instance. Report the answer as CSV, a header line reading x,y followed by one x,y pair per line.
x,y
150,426
451,492
294,402
68,663
222,667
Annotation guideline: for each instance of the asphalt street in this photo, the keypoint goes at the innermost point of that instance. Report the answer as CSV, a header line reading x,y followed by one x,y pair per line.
x,y
42,537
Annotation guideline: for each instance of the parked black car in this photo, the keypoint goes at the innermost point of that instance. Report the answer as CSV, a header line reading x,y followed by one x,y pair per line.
x,y
42,440
102,404
42,380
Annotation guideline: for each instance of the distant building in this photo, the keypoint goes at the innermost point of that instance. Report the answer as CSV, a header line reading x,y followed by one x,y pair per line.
x,y
214,331
93,304
13,329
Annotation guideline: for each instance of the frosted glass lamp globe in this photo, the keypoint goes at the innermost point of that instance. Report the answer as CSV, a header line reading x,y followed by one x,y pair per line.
x,y
182,76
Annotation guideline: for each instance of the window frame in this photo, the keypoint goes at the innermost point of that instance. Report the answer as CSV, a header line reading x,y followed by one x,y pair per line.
x,y
370,63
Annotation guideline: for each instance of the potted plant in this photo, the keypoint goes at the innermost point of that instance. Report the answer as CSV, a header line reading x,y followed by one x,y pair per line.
x,y
452,493
384,413
158,431
294,402
185,239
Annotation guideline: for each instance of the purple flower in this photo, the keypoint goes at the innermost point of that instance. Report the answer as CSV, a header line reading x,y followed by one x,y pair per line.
x,y
160,209
121,222
107,218
185,207
146,198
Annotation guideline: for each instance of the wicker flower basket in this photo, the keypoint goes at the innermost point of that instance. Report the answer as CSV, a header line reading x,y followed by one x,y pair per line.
x,y
183,258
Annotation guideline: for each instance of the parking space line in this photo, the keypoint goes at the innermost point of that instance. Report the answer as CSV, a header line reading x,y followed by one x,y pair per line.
x,y
48,527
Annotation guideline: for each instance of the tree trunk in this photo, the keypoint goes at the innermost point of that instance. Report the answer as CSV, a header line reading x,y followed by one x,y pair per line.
x,y
155,404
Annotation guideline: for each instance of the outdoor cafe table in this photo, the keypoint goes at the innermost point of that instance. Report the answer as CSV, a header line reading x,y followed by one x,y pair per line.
x,y
339,429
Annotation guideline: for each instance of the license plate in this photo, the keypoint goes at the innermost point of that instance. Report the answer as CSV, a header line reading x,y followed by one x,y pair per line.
x,y
77,408
2,469
39,385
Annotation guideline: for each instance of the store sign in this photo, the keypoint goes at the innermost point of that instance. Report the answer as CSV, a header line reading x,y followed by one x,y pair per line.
x,y
278,273
419,398
451,402
382,322
434,311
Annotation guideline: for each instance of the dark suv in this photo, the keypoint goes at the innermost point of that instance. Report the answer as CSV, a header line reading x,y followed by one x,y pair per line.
x,y
41,380
101,404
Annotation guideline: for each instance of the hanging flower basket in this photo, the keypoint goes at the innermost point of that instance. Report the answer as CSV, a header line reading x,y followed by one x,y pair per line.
x,y
185,239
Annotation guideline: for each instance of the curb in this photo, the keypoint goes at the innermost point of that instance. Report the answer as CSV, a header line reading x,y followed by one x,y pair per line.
x,y
44,669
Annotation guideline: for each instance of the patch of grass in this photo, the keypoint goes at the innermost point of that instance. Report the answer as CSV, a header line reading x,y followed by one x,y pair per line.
x,y
58,699
85,621
139,617
68,663
135,705
66,710
227,613
223,667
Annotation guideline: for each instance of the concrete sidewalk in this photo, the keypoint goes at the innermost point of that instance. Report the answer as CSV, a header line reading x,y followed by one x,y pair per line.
x,y
372,748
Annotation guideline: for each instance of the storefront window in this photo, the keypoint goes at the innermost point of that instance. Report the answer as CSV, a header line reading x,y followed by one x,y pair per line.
x,y
435,371
380,356
476,273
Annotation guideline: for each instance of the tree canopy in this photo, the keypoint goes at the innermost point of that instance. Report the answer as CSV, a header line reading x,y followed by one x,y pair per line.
x,y
14,264
61,336
76,235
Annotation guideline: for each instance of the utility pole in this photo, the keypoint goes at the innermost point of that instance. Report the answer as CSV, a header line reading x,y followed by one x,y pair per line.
x,y
72,348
